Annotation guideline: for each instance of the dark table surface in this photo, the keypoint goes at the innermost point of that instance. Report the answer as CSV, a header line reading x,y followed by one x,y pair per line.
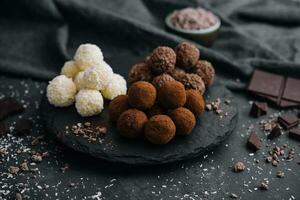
x,y
37,37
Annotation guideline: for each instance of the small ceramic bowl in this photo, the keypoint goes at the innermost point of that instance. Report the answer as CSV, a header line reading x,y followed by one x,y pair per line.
x,y
203,36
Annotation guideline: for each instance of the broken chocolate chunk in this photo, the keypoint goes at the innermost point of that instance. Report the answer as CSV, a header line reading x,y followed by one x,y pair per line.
x,y
295,133
4,129
288,121
291,91
254,142
258,109
9,106
275,132
23,127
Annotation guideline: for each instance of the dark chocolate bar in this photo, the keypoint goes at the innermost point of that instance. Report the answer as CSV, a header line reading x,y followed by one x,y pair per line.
x,y
288,121
295,133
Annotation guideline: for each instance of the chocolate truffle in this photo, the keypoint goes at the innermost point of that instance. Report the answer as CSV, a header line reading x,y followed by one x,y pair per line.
x,y
131,123
160,80
162,60
142,95
177,73
193,81
160,129
206,71
139,72
184,120
155,110
172,95
194,102
187,55
117,106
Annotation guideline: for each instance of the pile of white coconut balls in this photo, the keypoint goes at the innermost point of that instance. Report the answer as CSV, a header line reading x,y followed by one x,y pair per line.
x,y
84,80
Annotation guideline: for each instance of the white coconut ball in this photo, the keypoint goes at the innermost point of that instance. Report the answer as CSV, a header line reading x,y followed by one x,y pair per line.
x,y
116,87
89,102
70,69
61,91
78,80
88,55
97,77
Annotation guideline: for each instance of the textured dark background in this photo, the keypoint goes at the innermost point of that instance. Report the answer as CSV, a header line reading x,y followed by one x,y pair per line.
x,y
37,36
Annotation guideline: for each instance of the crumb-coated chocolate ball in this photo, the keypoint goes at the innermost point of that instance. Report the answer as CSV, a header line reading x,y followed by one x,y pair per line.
x,y
139,72
160,129
177,73
142,95
206,71
187,55
194,102
162,60
155,110
193,81
131,123
160,80
117,106
184,120
172,95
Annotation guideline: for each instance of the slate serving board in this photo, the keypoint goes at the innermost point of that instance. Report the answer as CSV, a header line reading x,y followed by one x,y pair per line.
x,y
211,129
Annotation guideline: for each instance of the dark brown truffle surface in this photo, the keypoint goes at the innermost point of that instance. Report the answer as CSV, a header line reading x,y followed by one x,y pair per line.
x,y
142,95
131,123
117,106
187,55
177,73
160,129
155,110
139,72
172,95
193,81
160,80
206,71
162,60
184,120
194,102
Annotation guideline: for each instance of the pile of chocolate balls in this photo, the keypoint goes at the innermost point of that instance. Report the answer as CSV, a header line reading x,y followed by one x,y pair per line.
x,y
163,100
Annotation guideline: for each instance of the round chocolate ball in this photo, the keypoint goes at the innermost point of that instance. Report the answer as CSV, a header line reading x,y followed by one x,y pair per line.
x,y
193,81
160,129
177,73
142,95
184,120
155,110
194,102
139,72
160,80
117,106
172,95
206,71
131,123
187,55
162,60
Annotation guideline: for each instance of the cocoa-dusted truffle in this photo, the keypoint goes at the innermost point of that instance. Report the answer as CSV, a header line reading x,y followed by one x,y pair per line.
x,y
139,72
160,80
194,101
193,81
131,123
184,120
155,110
187,55
142,95
172,95
206,71
160,129
162,60
117,106
177,73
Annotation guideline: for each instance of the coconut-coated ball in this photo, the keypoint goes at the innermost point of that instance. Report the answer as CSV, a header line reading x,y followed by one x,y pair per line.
x,y
89,102
139,72
206,71
187,55
162,60
131,123
117,86
70,69
88,55
184,120
117,106
193,81
61,91
194,102
160,80
172,95
160,129
97,77
78,80
142,95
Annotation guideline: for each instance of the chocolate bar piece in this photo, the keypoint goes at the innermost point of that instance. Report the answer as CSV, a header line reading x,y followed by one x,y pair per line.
x,y
295,133
4,129
9,106
292,91
254,142
275,132
258,109
23,127
288,121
